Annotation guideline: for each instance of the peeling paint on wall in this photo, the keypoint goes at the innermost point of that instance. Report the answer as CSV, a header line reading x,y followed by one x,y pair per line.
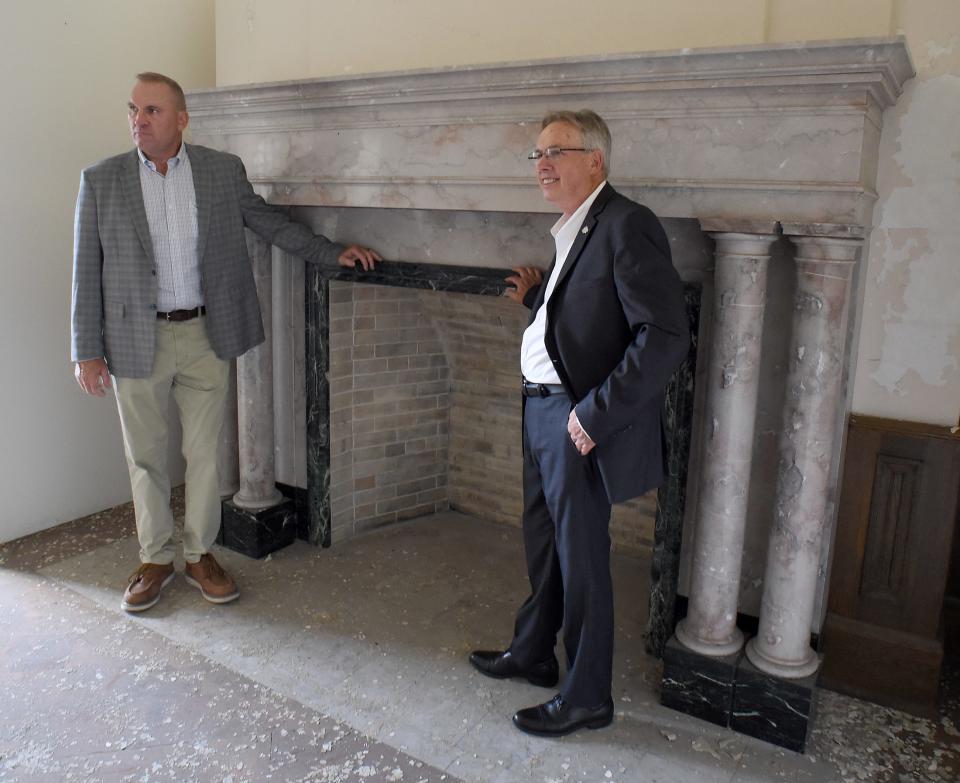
x,y
909,366
935,52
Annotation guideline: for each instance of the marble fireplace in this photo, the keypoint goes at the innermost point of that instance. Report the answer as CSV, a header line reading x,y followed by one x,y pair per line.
x,y
363,404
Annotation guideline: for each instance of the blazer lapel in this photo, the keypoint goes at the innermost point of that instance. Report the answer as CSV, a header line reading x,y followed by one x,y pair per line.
x,y
133,195
589,223
203,191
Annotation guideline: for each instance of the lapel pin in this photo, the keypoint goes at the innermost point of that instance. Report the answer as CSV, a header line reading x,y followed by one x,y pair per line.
x,y
584,230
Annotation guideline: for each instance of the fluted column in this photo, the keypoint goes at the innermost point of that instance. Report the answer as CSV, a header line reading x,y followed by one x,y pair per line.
x,y
807,441
255,398
740,284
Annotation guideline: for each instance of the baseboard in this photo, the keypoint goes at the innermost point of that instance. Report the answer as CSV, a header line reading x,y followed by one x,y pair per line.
x,y
883,665
951,625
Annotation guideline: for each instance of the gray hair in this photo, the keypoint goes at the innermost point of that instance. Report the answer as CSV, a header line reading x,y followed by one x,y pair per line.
x,y
152,77
595,133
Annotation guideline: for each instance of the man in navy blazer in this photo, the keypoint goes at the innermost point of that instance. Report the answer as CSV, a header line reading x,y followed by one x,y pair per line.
x,y
606,332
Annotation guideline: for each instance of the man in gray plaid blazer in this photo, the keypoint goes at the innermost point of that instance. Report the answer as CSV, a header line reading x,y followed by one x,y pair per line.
x,y
163,298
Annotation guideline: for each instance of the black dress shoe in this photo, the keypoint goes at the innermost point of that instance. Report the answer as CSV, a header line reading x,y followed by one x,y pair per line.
x,y
557,717
501,665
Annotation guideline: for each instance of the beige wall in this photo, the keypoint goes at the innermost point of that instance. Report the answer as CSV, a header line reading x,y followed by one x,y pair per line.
x,y
909,362
66,69
271,40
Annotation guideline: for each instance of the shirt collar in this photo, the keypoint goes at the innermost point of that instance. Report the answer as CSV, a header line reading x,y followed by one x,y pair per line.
x,y
171,164
577,217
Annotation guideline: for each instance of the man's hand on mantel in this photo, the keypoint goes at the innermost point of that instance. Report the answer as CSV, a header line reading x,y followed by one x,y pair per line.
x,y
526,277
368,258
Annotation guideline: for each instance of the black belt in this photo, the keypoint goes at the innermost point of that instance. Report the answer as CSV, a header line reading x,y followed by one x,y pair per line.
x,y
541,389
182,315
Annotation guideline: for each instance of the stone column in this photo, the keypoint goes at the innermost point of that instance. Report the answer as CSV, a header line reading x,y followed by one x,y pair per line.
x,y
740,281
255,398
825,260
228,466
283,364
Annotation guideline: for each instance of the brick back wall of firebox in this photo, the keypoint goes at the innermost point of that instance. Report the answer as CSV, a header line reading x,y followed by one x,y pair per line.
x,y
425,411
389,409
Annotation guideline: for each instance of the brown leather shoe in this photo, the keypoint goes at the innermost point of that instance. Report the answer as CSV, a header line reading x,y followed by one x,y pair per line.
x,y
145,585
215,583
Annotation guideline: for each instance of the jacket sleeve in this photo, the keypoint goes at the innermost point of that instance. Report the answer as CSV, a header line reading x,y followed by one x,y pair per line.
x,y
651,297
86,310
274,226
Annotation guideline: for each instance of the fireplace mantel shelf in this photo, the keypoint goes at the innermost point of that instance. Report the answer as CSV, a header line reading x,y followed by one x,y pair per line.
x,y
784,132
882,63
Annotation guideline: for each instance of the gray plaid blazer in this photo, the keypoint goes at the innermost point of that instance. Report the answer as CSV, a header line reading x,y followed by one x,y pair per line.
x,y
114,308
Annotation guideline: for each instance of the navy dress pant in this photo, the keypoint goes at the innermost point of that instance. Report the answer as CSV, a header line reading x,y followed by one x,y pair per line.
x,y
566,520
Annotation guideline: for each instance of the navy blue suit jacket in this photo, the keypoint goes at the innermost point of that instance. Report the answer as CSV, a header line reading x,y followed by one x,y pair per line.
x,y
616,330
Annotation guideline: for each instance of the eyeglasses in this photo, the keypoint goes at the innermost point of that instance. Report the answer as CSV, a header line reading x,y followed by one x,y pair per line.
x,y
552,153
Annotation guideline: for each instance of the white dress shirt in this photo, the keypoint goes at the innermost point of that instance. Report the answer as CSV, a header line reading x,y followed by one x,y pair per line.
x,y
171,204
535,362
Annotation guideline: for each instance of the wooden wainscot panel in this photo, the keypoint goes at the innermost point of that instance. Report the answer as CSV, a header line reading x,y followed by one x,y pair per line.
x,y
951,603
898,504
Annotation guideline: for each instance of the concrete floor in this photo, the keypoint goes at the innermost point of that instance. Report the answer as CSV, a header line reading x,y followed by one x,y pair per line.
x,y
349,664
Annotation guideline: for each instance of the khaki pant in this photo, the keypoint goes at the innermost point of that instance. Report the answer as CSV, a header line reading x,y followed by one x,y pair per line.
x,y
185,365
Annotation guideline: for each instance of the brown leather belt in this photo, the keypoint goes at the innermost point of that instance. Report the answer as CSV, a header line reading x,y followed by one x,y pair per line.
x,y
182,315
541,389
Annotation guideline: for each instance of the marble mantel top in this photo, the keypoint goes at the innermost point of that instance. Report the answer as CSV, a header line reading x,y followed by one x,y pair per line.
x,y
782,132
